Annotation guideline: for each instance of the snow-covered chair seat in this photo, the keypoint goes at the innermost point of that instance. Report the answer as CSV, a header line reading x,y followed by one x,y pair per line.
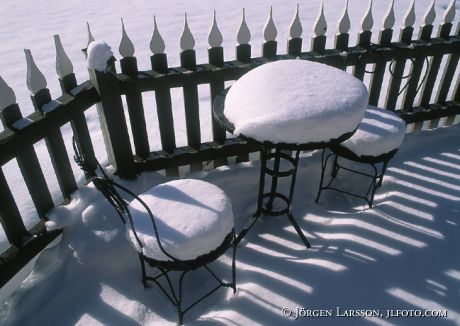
x,y
180,226
192,219
375,142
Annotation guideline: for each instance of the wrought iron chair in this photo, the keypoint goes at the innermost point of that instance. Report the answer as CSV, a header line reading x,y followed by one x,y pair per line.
x,y
158,257
375,143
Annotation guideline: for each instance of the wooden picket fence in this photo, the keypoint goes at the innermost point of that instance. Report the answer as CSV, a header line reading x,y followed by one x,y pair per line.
x,y
423,55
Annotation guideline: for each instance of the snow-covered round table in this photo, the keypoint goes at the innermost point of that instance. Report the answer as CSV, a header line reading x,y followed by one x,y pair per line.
x,y
290,105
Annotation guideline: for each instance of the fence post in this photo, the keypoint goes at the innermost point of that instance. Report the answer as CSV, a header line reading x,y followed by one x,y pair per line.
x,y
243,49
68,82
294,44
27,159
134,96
269,47
112,119
217,84
190,90
41,100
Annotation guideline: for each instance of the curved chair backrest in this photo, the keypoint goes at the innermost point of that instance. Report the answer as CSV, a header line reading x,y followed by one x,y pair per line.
x,y
110,190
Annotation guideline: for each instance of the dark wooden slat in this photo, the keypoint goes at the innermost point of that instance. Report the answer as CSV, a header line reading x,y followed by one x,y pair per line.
x,y
29,166
191,105
318,44
217,85
341,41
56,147
269,49
135,108
79,125
294,46
243,53
364,40
398,71
113,124
447,78
379,69
435,64
10,218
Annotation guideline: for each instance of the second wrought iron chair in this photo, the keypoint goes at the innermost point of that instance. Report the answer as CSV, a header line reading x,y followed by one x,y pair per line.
x,y
178,226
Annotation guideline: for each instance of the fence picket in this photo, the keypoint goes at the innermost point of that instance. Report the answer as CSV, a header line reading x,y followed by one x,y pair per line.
x,y
294,44
342,37
448,76
269,47
318,42
243,49
364,41
136,114
54,142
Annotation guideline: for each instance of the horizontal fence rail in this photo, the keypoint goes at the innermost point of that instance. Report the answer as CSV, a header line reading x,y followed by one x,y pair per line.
x,y
421,89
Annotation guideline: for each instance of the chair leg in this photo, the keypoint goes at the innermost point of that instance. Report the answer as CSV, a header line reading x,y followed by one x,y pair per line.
x,y
335,167
180,313
373,187
144,275
234,266
323,171
384,168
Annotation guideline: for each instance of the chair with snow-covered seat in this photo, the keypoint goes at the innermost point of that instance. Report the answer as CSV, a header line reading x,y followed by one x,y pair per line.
x,y
375,142
177,226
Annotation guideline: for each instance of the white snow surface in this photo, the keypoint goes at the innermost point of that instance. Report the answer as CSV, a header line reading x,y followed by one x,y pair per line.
x,y
193,218
99,53
380,132
296,101
401,254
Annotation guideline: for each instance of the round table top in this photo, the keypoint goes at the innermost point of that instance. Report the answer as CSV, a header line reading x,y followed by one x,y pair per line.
x,y
295,102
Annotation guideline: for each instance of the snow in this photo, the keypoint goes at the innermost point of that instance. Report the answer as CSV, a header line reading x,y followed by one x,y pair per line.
x,y
296,101
193,218
99,53
402,254
380,132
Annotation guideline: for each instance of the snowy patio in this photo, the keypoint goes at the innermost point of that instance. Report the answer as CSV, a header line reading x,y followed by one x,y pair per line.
x,y
402,254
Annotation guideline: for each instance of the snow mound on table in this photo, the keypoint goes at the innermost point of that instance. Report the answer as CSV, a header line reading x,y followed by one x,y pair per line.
x,y
295,101
98,54
193,218
380,132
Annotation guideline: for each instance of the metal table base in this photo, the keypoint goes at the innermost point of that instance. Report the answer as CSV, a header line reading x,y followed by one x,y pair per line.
x,y
266,207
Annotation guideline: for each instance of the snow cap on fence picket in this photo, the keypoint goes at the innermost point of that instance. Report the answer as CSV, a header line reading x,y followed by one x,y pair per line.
x,y
409,18
244,34
430,14
126,47
270,31
320,26
215,36
449,14
7,96
35,79
295,29
367,22
157,45
344,22
64,66
389,20
89,35
99,53
187,42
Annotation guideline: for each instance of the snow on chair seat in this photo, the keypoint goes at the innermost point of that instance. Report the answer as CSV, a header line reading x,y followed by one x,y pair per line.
x,y
193,217
375,142
381,131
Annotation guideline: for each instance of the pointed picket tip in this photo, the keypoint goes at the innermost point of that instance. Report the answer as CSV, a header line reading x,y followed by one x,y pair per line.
x,y
64,66
244,34
368,21
126,47
320,26
90,37
389,20
295,29
215,38
449,14
430,15
7,96
344,22
35,79
270,31
157,44
187,42
409,18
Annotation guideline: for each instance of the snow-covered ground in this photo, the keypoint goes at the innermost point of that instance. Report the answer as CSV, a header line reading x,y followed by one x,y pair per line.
x,y
402,254
32,24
